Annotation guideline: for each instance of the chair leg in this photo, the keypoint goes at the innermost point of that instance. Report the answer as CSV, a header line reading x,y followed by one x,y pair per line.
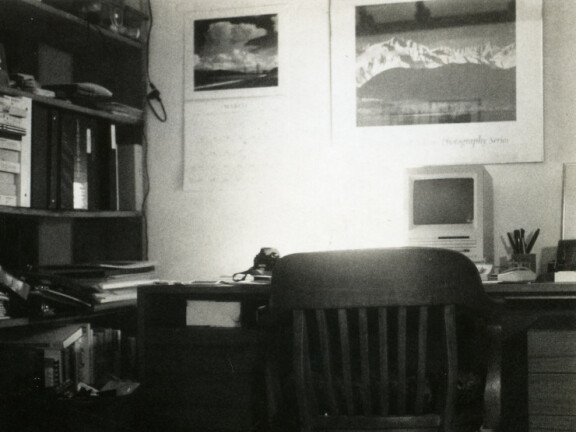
x,y
493,389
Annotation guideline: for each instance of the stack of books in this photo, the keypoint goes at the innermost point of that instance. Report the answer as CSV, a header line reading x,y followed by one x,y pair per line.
x,y
15,151
107,282
61,358
4,299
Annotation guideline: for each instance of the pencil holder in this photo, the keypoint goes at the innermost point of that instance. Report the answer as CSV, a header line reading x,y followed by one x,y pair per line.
x,y
524,260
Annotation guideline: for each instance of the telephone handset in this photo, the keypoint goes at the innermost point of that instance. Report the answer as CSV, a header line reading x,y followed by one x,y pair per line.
x,y
264,262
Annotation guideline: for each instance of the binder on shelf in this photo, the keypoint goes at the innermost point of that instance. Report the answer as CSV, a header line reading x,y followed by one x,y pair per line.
x,y
102,165
130,177
40,158
113,170
54,134
74,162
45,193
68,138
81,148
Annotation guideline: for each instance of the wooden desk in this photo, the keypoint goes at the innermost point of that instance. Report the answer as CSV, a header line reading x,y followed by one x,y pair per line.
x,y
552,374
532,291
206,378
524,305
198,377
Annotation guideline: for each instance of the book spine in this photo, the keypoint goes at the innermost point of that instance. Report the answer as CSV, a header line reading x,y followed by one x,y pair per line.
x,y
113,173
82,350
67,145
40,158
80,190
54,174
52,367
95,153
24,107
130,177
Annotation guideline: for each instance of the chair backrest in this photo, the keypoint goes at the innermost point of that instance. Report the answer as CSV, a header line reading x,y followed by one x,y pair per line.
x,y
374,342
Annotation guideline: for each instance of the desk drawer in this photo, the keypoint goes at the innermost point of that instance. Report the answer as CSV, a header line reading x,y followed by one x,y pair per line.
x,y
552,365
194,360
552,394
187,392
543,423
551,343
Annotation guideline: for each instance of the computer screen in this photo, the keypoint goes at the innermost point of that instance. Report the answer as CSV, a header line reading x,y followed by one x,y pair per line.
x,y
443,201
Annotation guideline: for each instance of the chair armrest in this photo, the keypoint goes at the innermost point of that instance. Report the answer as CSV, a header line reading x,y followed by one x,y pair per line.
x,y
493,388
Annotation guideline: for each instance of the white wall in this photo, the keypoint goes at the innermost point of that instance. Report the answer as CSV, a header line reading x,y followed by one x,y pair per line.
x,y
313,196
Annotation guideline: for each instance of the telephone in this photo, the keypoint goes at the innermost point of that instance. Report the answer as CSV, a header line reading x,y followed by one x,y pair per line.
x,y
264,262
53,294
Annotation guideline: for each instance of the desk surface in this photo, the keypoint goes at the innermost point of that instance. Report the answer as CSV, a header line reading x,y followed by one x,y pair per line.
x,y
532,290
208,288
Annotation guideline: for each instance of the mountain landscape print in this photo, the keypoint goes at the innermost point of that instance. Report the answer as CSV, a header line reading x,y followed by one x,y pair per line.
x,y
442,61
236,52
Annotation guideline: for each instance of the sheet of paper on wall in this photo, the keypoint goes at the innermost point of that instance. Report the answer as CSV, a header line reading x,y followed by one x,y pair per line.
x,y
230,149
212,313
569,202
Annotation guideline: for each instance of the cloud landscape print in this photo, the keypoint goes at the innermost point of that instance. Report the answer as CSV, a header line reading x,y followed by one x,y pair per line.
x,y
238,52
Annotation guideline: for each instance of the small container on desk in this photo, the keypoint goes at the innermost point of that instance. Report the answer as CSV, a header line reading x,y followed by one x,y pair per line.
x,y
523,260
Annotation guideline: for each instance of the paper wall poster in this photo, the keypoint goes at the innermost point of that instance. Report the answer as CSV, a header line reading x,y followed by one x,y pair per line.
x,y
234,52
439,82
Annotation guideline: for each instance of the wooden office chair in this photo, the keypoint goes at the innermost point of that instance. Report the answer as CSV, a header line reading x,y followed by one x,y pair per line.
x,y
369,340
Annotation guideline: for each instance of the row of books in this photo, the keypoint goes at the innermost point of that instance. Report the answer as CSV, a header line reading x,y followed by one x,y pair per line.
x,y
78,164
57,159
61,359
15,150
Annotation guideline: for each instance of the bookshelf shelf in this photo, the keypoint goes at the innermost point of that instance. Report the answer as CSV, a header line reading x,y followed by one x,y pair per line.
x,y
98,312
47,19
67,213
68,106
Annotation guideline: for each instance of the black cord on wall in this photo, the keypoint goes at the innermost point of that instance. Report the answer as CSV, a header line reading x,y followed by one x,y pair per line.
x,y
153,97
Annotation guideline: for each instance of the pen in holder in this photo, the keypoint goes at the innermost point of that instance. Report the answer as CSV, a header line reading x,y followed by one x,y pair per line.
x,y
523,260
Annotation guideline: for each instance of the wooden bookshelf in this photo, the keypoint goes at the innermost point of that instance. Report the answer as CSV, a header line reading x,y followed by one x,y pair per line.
x,y
31,31
99,311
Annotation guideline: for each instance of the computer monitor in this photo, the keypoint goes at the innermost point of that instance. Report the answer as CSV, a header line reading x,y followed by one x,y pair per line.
x,y
452,207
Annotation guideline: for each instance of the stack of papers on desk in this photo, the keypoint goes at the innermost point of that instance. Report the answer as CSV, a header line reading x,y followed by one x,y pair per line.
x,y
565,276
109,282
